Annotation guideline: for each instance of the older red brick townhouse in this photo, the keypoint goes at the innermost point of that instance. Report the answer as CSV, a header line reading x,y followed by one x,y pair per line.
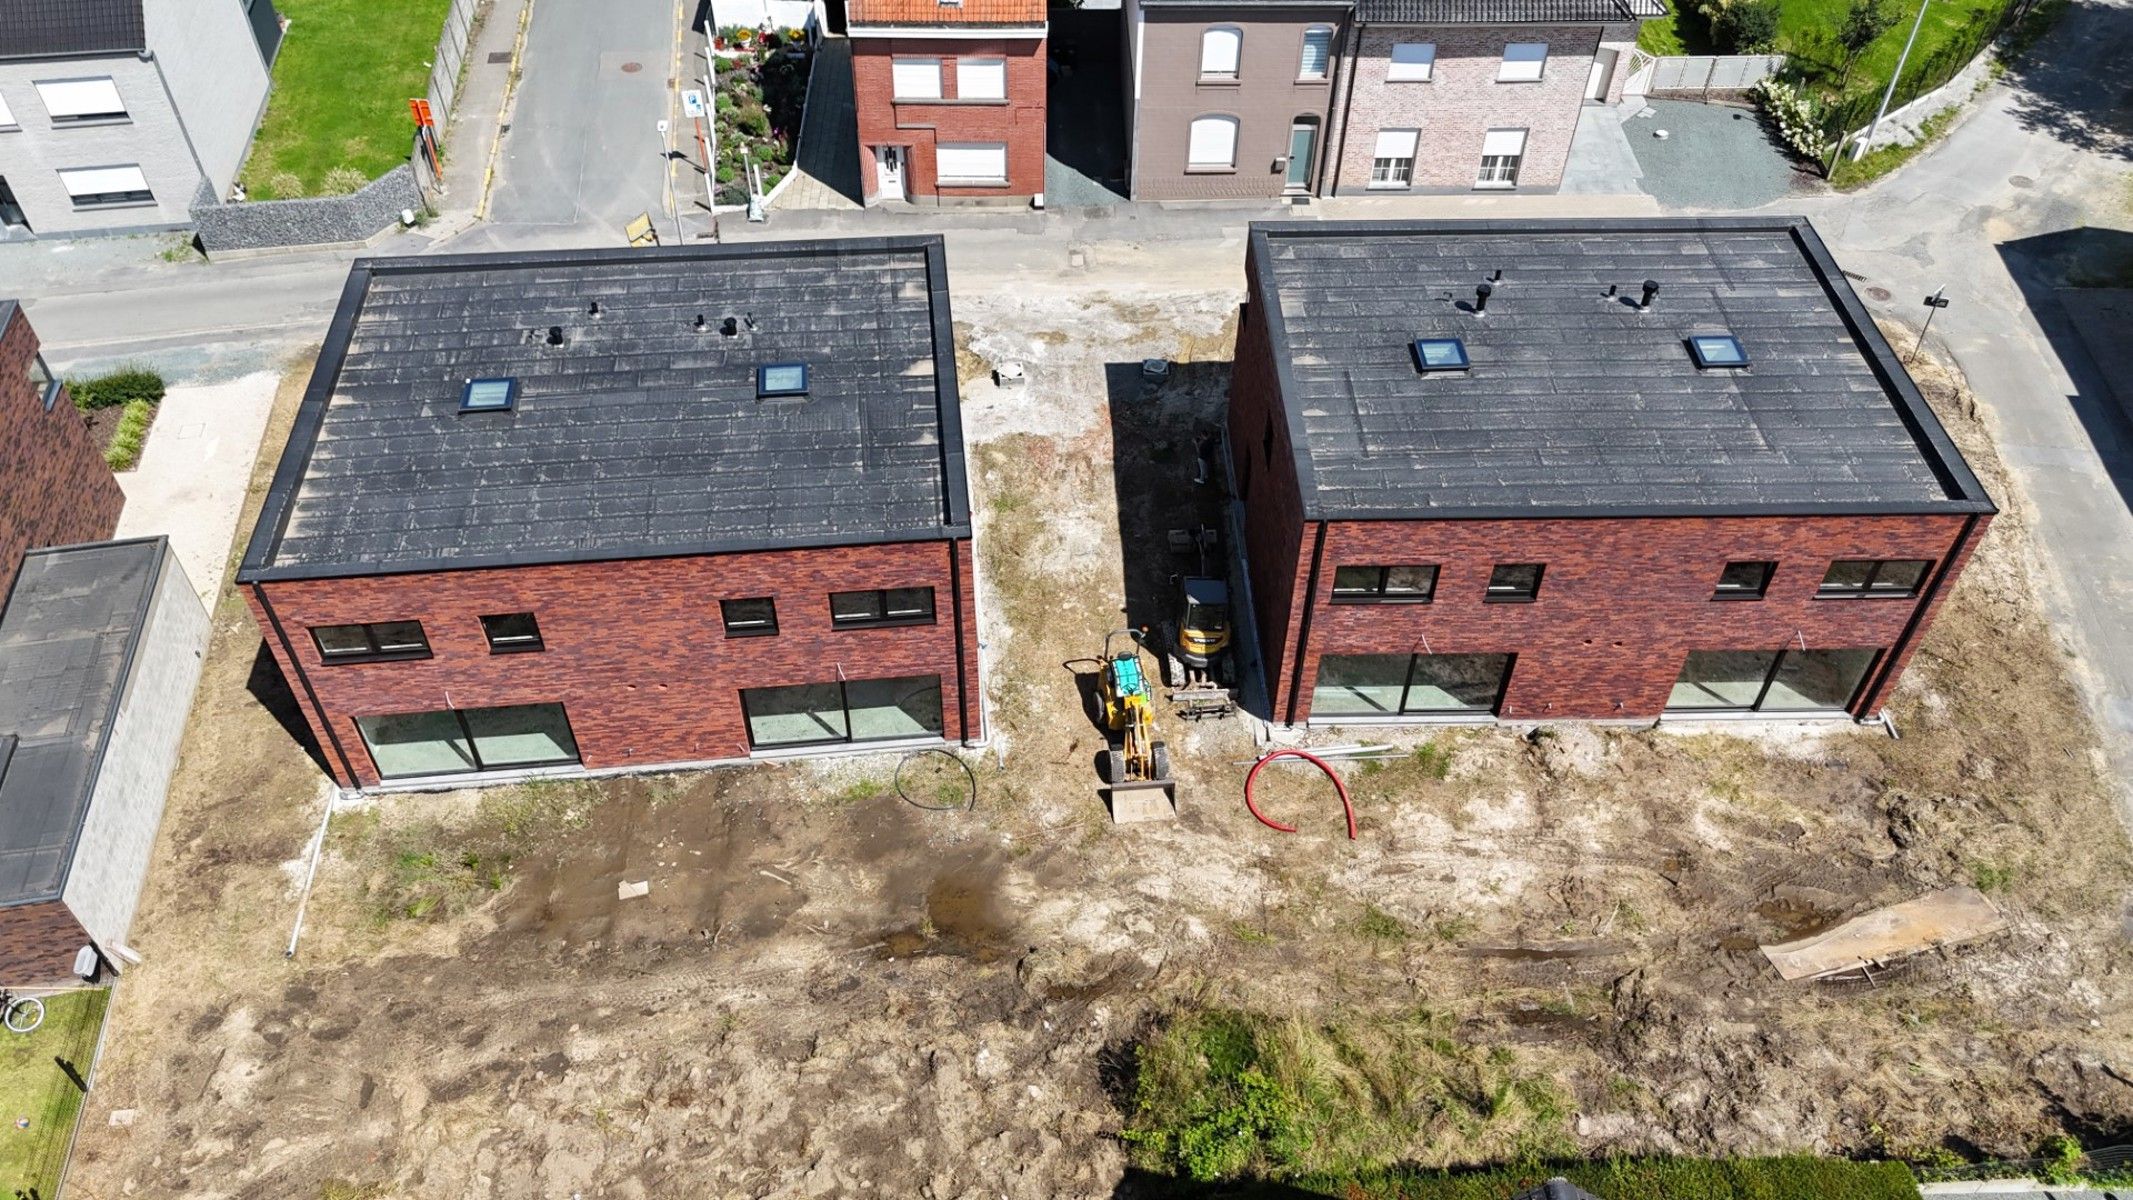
x,y
950,97
54,486
1606,469
620,509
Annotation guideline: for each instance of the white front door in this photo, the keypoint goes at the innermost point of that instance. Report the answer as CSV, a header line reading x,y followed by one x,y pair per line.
x,y
1603,74
889,172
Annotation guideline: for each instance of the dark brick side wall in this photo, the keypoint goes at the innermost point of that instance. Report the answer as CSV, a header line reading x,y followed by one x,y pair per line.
x,y
636,651
1622,603
1018,121
54,486
38,943
1277,556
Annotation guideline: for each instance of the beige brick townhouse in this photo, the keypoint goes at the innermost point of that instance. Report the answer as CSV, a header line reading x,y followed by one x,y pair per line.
x,y
1259,99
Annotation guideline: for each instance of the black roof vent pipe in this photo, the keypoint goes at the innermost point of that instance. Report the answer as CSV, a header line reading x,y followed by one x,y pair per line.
x,y
595,309
701,324
1651,289
1482,292
731,327
555,335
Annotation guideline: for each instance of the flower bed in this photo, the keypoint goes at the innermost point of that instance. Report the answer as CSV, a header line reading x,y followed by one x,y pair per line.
x,y
761,93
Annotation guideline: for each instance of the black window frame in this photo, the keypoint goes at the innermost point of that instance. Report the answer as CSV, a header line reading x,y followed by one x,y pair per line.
x,y
1378,592
1427,367
881,599
51,384
844,705
466,731
1705,362
519,644
763,389
725,616
375,653
1490,595
1762,586
1407,689
1770,677
1866,589
466,395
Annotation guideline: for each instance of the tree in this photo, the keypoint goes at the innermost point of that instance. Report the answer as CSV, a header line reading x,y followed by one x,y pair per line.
x,y
1749,27
1864,23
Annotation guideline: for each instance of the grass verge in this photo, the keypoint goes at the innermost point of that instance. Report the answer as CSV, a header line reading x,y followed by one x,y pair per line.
x,y
36,1087
1647,1179
124,452
1851,174
337,117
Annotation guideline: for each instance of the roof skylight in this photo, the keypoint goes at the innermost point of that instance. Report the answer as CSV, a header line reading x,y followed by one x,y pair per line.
x,y
1717,350
489,395
780,379
1440,354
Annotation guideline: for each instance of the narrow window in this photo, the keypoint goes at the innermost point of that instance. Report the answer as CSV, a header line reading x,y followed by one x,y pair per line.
x,y
1522,62
1213,145
512,633
981,79
915,78
1220,49
1392,164
489,395
1317,52
1744,581
372,642
1412,62
1514,583
1266,441
1381,585
1501,152
1896,577
106,187
44,381
753,617
73,101
889,606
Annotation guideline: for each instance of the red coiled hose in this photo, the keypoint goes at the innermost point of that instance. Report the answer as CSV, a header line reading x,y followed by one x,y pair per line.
x,y
1315,761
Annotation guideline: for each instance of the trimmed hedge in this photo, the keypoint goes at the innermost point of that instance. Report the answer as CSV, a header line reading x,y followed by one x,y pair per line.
x,y
123,386
1788,1178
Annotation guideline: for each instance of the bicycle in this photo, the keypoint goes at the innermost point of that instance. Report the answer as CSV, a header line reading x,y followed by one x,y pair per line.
x,y
21,1014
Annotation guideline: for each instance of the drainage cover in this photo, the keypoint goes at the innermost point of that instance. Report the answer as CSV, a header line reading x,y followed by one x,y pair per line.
x,y
631,68
1878,293
499,56
2021,181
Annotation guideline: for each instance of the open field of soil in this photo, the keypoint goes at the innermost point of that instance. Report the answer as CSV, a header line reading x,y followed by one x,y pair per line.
x,y
828,991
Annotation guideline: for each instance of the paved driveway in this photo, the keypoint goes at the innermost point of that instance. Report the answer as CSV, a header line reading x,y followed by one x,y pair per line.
x,y
191,479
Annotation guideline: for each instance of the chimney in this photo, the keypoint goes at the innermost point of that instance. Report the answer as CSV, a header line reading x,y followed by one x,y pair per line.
x,y
1482,292
1651,289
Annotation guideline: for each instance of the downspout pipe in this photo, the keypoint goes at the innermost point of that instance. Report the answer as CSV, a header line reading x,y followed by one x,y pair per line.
x,y
1354,58
1885,672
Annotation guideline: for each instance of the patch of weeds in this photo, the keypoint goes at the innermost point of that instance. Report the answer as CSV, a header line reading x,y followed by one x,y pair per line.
x,y
1381,926
1622,1087
180,250
1250,935
856,791
1853,173
1452,930
431,872
1990,877
342,1189
124,452
1435,760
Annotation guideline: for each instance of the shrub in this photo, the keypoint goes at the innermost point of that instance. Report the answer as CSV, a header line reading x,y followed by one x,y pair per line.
x,y
285,185
340,181
123,386
131,434
1748,27
1792,113
752,120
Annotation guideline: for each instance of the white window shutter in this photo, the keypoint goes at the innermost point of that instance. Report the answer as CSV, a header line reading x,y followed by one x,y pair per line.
x,y
981,78
1219,51
916,78
1317,52
1523,61
1503,142
1412,61
7,116
101,181
80,98
1396,143
986,161
1213,143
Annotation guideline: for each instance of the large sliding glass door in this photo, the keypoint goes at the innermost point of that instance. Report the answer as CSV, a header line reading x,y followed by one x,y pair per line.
x,y
456,741
856,710
1781,681
1409,685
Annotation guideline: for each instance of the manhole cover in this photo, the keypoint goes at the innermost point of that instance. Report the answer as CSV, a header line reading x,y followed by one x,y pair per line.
x,y
499,56
2021,181
631,68
1878,293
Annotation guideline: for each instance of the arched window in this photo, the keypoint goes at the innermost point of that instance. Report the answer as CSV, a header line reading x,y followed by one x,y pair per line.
x,y
1317,52
1220,49
1213,145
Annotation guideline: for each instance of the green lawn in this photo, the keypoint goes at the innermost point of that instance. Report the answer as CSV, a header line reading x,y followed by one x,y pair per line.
x,y
341,85
34,1085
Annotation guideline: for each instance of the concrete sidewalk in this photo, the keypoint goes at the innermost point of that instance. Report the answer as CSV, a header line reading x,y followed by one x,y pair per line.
x,y
193,473
479,121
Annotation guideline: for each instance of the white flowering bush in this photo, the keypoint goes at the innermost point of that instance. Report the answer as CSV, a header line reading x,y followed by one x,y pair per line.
x,y
1792,111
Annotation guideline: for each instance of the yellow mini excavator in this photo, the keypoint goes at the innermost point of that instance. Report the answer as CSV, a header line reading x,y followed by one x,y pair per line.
x,y
1135,758
1196,657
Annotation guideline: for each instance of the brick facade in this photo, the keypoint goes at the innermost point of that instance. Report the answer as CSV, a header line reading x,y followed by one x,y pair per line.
x,y
38,943
54,486
921,126
635,650
1462,101
1266,98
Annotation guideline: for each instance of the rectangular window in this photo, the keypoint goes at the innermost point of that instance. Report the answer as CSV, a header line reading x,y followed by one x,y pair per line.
x,y
1379,585
104,187
1412,62
1213,144
891,606
457,741
1501,152
1522,62
755,617
44,381
855,710
1892,577
1744,581
1392,165
1792,680
981,79
1317,53
1392,685
68,101
971,162
1220,49
512,633
915,78
372,642
1514,583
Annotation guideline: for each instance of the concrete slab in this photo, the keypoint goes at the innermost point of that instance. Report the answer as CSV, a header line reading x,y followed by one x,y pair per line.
x,y
192,476
826,163
1601,162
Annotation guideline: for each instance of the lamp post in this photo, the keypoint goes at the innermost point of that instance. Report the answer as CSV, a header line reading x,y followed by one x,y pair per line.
x,y
1890,94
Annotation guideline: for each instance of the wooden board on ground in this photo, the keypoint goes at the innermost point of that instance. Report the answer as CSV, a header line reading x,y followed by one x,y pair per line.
x,y
640,231
1941,918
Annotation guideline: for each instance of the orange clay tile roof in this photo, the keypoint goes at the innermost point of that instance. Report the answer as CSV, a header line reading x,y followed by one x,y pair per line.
x,y
933,12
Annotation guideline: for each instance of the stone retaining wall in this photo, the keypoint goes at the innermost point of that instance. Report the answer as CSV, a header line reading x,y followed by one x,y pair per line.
x,y
321,220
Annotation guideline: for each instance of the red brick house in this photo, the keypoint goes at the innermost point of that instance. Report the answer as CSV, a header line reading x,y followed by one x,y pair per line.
x,y
950,99
1604,470
54,486
594,510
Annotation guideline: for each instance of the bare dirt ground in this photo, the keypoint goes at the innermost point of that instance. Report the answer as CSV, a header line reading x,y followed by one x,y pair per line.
x,y
828,991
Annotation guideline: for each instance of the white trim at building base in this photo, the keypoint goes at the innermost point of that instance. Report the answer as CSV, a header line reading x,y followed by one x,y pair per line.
x,y
484,779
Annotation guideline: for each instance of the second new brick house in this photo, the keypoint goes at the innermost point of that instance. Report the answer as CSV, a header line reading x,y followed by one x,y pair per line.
x,y
950,99
618,509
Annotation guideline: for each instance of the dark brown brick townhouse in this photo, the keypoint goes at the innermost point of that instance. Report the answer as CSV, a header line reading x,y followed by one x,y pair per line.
x,y
1605,470
54,486
618,509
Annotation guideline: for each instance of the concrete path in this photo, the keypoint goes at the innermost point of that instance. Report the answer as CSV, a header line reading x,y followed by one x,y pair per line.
x,y
1601,162
478,121
826,169
192,476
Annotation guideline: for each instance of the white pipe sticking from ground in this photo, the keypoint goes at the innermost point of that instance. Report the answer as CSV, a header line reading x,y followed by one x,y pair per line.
x,y
318,846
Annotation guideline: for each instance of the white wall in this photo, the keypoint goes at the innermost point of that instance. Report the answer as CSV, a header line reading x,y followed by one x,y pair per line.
x,y
212,66
151,136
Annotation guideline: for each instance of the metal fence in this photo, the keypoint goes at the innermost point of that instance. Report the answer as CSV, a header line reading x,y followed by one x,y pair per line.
x,y
1700,75
451,56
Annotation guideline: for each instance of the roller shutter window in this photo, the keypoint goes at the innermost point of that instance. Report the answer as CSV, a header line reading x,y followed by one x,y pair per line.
x,y
972,162
1392,165
1501,151
1317,52
1220,50
916,78
1412,62
71,100
1522,62
101,187
1213,145
981,79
